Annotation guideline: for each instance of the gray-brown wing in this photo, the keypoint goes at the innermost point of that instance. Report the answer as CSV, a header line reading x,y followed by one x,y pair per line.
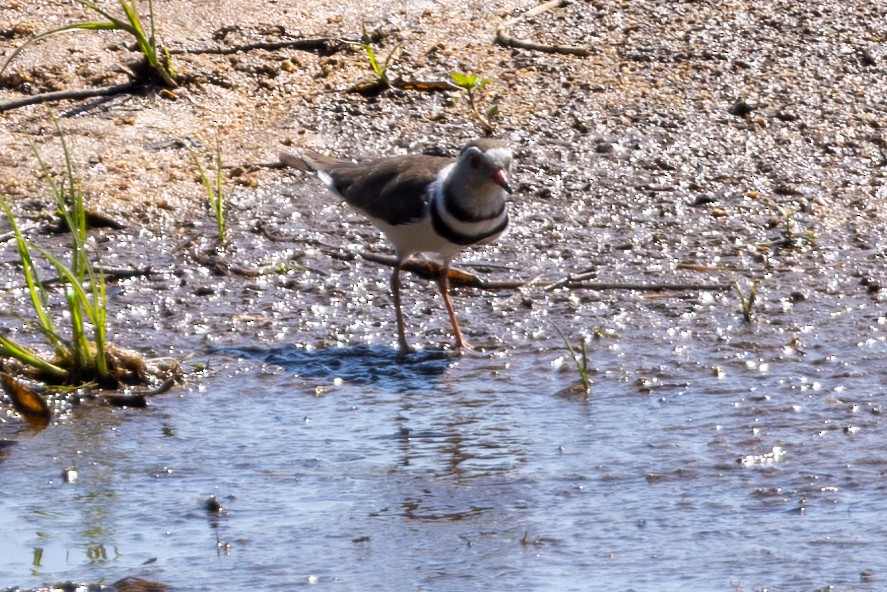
x,y
393,189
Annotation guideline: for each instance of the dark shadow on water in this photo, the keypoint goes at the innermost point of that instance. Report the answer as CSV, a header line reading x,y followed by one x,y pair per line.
x,y
360,364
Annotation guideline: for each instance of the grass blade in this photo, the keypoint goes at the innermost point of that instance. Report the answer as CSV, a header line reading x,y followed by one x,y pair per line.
x,y
220,195
45,34
99,327
746,302
580,362
136,30
98,9
13,349
65,344
32,279
214,194
371,55
73,282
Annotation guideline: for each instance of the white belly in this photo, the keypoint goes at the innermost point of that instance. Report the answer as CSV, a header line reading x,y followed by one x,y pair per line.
x,y
418,237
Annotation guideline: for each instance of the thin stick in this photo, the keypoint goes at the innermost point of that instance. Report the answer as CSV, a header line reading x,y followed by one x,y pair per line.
x,y
506,40
63,95
108,274
304,44
459,277
600,286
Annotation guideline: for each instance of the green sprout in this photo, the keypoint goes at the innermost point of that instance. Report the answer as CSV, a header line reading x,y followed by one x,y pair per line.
x,y
580,359
793,237
382,81
746,301
214,192
381,71
473,85
156,57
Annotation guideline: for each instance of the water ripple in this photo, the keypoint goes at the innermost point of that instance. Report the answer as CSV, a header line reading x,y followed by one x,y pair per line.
x,y
360,364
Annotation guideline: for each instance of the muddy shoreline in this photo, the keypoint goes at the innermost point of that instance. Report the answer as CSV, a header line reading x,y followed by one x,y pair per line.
x,y
690,147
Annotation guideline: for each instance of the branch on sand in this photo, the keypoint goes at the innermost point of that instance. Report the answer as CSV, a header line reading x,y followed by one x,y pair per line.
x,y
374,87
304,44
505,39
65,95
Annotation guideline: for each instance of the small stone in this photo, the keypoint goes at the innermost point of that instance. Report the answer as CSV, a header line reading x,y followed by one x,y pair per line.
x,y
741,108
871,285
786,189
212,505
786,116
702,200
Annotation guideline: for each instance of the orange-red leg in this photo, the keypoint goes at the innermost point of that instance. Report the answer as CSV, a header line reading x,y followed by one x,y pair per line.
x,y
443,283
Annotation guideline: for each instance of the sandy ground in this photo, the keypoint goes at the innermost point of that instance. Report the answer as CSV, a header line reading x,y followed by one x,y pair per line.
x,y
129,149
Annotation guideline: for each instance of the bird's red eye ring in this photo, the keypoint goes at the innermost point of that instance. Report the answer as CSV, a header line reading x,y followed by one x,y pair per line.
x,y
474,161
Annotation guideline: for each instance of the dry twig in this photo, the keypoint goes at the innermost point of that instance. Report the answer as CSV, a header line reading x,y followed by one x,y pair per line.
x,y
431,270
305,44
504,38
64,95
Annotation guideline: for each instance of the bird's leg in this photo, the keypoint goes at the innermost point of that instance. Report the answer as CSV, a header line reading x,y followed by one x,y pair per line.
x,y
395,293
443,282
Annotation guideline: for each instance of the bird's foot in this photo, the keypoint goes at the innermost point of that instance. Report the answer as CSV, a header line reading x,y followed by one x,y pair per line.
x,y
405,349
463,346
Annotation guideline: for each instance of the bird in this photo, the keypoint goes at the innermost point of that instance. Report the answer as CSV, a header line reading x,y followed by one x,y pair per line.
x,y
423,204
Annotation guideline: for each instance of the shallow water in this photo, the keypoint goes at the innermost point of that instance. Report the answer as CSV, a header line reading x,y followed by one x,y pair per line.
x,y
710,455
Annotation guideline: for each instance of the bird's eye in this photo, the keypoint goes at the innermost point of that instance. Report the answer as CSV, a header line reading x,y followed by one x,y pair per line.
x,y
474,161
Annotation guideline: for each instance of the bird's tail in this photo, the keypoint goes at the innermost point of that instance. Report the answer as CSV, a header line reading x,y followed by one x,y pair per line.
x,y
299,161
310,161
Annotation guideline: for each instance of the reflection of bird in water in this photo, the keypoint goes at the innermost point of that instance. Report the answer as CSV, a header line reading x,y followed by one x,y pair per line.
x,y
358,364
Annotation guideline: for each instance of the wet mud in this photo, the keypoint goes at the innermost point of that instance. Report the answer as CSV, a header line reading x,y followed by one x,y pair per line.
x,y
697,144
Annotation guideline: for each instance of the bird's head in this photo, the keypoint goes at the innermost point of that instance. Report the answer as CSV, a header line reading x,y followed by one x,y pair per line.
x,y
483,162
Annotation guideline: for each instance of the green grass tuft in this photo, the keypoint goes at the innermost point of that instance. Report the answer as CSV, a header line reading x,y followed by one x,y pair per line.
x,y
746,300
381,81
156,56
82,354
580,359
215,192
